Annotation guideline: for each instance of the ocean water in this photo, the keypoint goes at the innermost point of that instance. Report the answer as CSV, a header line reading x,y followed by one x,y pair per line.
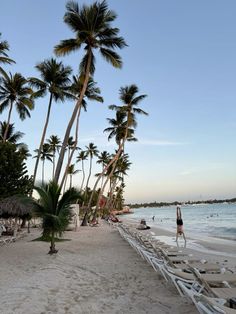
x,y
203,220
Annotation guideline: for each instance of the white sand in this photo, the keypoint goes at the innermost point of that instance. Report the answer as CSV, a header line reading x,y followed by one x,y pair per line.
x,y
95,272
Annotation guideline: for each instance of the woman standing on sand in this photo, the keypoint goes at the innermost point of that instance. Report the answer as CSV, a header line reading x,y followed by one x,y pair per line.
x,y
179,222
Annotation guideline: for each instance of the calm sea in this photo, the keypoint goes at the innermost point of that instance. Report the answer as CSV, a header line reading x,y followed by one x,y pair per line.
x,y
214,220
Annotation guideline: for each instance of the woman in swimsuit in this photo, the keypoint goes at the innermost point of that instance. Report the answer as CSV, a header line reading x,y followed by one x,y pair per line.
x,y
179,222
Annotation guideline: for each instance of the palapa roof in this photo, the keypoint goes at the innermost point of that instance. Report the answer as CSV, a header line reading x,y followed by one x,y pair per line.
x,y
15,206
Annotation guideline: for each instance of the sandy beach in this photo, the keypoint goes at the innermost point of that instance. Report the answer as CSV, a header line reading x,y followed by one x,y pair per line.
x,y
95,272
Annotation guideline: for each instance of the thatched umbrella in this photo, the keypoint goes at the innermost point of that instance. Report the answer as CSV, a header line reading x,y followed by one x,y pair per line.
x,y
15,206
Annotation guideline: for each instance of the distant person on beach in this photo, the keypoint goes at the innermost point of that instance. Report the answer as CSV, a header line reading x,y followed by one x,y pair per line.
x,y
153,218
179,222
143,225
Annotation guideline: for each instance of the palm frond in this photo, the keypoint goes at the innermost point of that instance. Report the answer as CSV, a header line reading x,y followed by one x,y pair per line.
x,y
111,57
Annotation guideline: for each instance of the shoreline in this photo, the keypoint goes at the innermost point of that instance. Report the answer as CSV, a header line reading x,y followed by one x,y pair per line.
x,y
211,249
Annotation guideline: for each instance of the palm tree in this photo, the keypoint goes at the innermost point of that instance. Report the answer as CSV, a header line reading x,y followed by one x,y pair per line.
x,y
117,204
4,47
15,91
81,157
54,142
54,209
91,152
45,154
123,131
71,172
92,27
55,81
122,166
24,151
11,137
117,130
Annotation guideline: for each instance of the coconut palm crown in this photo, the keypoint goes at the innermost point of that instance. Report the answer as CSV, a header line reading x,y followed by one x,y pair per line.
x,y
92,27
4,47
14,90
54,209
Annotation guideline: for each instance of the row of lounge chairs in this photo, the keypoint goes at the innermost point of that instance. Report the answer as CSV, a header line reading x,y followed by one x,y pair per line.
x,y
10,239
208,285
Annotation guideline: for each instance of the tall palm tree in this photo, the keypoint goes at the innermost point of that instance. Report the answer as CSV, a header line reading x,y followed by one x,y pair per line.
x,y
14,90
54,209
54,142
117,130
4,47
24,151
91,151
92,27
45,154
122,166
54,79
81,157
12,136
123,131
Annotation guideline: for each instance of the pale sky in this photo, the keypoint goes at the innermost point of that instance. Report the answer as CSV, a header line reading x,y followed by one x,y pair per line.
x,y
182,54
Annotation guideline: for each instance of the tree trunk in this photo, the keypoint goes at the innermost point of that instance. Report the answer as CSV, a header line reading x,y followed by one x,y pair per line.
x,y
8,122
53,246
72,119
66,170
73,149
86,188
70,181
117,194
83,176
111,199
42,138
43,172
53,164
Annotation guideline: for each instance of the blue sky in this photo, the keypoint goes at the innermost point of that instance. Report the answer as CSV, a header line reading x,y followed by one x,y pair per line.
x,y
182,55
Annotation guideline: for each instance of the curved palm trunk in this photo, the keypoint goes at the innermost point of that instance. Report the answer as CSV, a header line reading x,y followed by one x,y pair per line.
x,y
53,164
113,162
83,176
105,184
8,123
117,194
103,166
66,170
89,175
70,181
85,219
43,172
42,138
73,149
72,119
111,199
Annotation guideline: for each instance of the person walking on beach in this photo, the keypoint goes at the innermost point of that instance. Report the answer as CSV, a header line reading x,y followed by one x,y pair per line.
x,y
179,222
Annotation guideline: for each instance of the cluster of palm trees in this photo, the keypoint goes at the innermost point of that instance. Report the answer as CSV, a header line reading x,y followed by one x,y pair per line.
x,y
93,32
